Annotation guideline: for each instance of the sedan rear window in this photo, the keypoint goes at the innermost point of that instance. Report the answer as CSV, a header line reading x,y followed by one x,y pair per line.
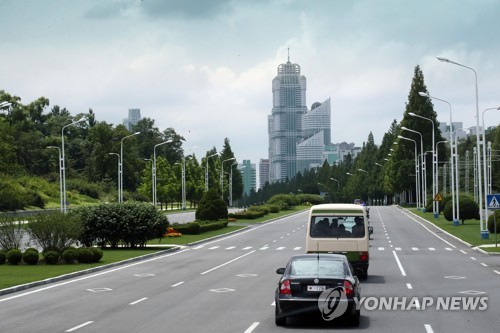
x,y
313,267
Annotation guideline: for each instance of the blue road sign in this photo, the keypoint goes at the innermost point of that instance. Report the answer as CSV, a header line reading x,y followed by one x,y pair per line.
x,y
493,201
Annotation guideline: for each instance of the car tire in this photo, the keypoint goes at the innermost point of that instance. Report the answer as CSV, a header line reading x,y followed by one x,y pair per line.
x,y
278,319
355,318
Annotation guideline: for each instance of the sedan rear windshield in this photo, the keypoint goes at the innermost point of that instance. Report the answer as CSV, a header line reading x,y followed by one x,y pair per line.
x,y
337,227
317,267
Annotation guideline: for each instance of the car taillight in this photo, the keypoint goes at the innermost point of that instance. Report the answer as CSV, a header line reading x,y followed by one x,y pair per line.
x,y
285,288
348,289
363,256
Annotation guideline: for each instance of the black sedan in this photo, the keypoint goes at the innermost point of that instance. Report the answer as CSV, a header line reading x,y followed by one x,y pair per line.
x,y
321,283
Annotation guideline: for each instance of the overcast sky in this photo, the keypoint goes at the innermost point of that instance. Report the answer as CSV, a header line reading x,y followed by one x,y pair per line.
x,y
205,67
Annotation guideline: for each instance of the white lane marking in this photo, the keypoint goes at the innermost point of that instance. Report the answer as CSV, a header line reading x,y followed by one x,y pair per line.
x,y
252,327
473,258
297,248
138,301
428,328
399,264
409,286
288,234
429,230
226,263
280,248
247,248
274,241
264,248
414,248
390,241
282,237
498,272
432,249
93,275
381,248
448,249
177,284
198,247
484,264
79,326
397,248
213,247
230,247
463,251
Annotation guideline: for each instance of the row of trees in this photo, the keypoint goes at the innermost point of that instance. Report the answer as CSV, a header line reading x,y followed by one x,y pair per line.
x,y
27,130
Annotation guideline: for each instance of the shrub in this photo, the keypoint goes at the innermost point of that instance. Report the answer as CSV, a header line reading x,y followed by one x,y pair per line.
x,y
96,254
194,228
284,201
130,223
3,257
313,199
84,187
211,207
84,255
69,256
55,231
14,256
32,249
51,257
468,209
11,233
31,257
491,222
274,208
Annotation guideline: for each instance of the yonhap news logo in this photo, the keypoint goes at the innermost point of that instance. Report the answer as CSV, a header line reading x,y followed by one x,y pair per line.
x,y
333,303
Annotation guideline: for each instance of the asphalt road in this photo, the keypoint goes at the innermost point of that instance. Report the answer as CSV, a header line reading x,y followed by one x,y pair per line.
x,y
227,285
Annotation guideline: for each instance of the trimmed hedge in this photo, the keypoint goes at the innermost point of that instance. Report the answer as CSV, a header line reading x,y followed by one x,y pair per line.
x,y
14,256
31,257
51,257
3,257
195,228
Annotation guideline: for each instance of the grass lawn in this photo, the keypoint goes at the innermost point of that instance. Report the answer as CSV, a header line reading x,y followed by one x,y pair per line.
x,y
23,273
469,231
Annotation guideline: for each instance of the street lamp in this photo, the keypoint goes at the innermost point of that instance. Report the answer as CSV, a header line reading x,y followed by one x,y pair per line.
x,y
231,184
487,180
206,170
482,218
452,153
5,105
335,180
348,173
63,167
119,167
153,173
121,163
222,176
437,166
423,171
417,186
434,184
60,176
363,170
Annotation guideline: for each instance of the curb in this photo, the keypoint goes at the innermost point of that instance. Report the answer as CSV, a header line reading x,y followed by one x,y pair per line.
x,y
83,272
475,248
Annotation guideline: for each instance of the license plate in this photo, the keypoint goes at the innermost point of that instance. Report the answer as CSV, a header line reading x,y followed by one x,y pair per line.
x,y
316,288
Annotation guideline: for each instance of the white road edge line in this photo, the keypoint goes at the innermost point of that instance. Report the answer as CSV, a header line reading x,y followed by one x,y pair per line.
x,y
252,327
138,301
429,230
177,284
428,328
79,326
226,263
399,263
498,272
408,285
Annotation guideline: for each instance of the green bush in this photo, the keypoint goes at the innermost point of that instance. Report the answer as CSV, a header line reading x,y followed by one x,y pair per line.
x,y
491,222
130,223
274,208
14,256
55,231
84,255
194,228
312,199
468,209
12,195
284,201
3,257
32,249
11,233
51,257
84,187
69,256
31,257
97,254
211,207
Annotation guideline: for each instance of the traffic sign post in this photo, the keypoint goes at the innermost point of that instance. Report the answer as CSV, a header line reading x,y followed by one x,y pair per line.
x,y
438,197
493,203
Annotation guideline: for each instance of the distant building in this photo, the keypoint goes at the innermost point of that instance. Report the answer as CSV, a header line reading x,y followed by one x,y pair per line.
x,y
248,173
134,115
336,153
458,127
263,172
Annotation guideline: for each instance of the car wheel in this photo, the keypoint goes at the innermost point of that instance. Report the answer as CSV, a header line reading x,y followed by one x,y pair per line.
x,y
279,320
355,318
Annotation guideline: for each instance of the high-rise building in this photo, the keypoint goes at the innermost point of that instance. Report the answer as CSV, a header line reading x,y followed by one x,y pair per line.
x,y
134,115
285,122
263,172
248,174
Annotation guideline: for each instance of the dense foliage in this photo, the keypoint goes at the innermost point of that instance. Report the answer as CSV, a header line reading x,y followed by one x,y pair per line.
x,y
211,207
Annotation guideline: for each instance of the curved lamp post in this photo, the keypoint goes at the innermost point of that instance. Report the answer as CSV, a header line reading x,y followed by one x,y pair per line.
x,y
60,176
423,182
222,176
121,163
119,166
153,173
63,167
417,186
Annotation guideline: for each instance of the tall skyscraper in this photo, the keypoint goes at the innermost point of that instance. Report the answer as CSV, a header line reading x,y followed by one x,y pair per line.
x,y
263,172
134,115
248,174
285,122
